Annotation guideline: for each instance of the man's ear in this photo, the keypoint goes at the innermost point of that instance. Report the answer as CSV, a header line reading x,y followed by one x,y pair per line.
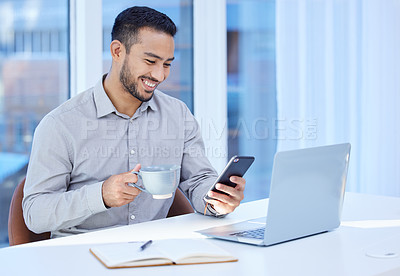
x,y
117,50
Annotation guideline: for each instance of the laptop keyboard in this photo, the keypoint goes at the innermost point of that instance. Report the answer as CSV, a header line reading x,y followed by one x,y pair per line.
x,y
254,234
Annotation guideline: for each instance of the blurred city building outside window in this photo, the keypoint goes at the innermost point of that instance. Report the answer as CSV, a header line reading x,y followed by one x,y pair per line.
x,y
33,81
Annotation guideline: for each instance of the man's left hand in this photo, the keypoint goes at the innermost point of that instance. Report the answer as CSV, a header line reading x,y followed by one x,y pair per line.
x,y
225,204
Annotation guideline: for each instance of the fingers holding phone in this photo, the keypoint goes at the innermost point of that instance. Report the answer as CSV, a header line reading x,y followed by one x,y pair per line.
x,y
224,191
227,192
230,198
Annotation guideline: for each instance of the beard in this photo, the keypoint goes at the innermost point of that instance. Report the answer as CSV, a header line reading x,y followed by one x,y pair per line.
x,y
131,86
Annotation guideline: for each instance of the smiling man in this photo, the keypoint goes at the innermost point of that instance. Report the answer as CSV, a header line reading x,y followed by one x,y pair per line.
x,y
85,150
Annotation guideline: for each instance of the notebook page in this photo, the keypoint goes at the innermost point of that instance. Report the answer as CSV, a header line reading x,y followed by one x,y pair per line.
x,y
120,253
195,249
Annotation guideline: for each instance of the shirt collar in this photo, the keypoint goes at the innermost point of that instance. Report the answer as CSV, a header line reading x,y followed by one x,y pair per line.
x,y
150,104
104,105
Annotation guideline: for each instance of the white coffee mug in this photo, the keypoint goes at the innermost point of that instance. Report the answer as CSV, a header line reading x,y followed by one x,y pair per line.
x,y
160,180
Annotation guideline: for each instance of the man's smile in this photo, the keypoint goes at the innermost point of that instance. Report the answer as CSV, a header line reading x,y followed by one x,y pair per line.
x,y
148,84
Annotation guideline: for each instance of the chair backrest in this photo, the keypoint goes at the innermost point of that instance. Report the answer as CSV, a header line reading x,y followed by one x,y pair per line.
x,y
18,232
180,205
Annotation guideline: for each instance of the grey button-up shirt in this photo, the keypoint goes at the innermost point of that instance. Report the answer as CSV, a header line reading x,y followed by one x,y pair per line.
x,y
84,141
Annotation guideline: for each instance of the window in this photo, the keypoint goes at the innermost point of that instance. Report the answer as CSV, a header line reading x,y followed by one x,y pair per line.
x,y
252,89
33,81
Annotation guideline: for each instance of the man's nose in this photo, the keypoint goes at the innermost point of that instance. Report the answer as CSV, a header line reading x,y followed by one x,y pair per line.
x,y
158,73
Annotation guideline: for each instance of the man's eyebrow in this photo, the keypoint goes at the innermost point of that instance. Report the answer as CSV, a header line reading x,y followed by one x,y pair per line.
x,y
158,57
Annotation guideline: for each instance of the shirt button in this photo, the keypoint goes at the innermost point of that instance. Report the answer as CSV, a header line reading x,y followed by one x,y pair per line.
x,y
133,217
132,152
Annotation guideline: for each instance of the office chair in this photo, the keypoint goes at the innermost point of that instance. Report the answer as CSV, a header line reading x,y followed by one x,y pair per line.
x,y
18,232
180,205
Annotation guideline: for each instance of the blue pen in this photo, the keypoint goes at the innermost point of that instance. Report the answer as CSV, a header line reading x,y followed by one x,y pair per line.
x,y
145,245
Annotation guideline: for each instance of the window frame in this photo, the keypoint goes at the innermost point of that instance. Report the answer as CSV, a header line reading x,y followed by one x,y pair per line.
x,y
86,41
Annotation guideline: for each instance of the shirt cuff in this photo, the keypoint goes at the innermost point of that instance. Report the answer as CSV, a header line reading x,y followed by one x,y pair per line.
x,y
94,198
212,212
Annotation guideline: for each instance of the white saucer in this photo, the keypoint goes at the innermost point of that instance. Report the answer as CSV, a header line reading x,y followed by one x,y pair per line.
x,y
162,196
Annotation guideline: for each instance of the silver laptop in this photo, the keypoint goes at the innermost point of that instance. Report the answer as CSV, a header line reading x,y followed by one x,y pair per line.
x,y
306,198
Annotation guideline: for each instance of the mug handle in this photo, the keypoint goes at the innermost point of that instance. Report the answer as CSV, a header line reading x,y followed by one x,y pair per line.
x,y
137,186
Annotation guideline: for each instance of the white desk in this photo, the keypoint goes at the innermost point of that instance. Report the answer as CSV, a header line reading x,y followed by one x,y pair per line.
x,y
367,220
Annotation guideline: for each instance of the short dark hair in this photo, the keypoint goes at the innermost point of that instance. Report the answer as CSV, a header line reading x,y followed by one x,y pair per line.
x,y
128,23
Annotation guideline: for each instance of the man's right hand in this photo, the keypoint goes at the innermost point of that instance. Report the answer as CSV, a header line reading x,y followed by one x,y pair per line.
x,y
116,191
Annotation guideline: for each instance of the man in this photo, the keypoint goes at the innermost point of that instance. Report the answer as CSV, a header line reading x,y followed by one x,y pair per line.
x,y
84,151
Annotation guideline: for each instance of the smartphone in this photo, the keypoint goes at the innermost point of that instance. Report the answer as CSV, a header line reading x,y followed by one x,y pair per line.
x,y
237,166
